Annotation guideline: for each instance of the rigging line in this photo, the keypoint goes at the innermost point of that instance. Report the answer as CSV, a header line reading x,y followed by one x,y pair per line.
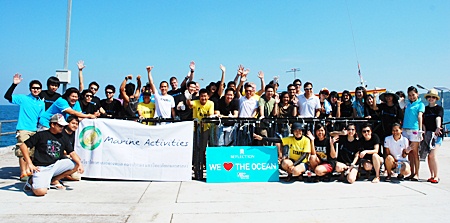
x,y
353,35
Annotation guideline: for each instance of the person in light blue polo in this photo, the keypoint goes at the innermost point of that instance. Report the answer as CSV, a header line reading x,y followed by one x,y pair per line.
x,y
31,107
67,104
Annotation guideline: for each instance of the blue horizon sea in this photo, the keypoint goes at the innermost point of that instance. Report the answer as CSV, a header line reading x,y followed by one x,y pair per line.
x,y
11,112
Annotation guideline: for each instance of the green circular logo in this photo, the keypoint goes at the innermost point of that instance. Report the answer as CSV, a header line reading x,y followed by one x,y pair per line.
x,y
90,138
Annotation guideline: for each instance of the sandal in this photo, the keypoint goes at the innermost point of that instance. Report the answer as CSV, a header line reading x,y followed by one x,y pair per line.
x,y
433,181
376,180
430,179
58,187
388,179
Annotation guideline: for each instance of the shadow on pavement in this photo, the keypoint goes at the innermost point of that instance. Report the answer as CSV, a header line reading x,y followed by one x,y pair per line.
x,y
9,173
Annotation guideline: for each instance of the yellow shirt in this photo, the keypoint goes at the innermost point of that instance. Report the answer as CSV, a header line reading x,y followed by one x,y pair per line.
x,y
200,111
147,110
297,147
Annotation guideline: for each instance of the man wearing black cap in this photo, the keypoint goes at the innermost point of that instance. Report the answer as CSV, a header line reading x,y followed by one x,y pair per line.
x,y
146,109
49,164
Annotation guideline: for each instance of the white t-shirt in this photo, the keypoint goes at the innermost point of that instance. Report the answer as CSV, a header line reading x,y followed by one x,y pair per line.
x,y
247,107
307,107
396,147
164,105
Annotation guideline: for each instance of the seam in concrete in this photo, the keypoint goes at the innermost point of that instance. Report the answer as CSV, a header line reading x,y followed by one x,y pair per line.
x,y
178,192
420,192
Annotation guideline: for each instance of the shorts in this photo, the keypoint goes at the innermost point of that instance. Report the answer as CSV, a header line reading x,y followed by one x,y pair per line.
x,y
438,142
43,178
412,135
22,136
327,166
306,165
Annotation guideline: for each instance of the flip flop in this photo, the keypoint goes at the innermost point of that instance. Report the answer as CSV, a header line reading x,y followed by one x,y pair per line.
x,y
58,187
430,179
433,181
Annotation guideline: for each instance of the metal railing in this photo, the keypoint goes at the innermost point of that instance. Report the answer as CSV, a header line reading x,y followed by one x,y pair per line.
x,y
1,125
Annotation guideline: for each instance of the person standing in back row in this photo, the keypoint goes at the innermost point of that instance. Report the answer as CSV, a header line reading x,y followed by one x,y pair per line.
x,y
31,107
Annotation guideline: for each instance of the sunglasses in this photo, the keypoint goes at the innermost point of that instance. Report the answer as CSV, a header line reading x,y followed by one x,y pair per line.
x,y
88,96
110,92
293,89
365,131
432,97
93,88
248,90
308,88
35,88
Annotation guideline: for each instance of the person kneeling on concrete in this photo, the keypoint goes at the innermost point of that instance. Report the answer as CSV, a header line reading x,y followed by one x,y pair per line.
x,y
49,164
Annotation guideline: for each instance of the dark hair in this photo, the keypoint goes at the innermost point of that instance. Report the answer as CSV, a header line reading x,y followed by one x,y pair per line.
x,y
396,124
282,95
53,81
203,91
172,78
297,80
412,88
70,91
352,124
290,85
400,94
246,85
229,89
162,82
367,125
129,89
33,82
269,86
84,92
367,101
318,126
272,82
94,83
111,87
307,83
361,88
230,83
73,117
191,82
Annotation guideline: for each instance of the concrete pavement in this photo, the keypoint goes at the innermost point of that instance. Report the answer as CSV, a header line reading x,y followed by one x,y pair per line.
x,y
196,201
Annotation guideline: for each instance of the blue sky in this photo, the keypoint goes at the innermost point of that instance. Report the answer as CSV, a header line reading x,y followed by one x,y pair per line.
x,y
398,43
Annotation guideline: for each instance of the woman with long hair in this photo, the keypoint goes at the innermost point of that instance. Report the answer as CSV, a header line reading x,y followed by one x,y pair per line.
x,y
323,154
348,152
358,104
412,129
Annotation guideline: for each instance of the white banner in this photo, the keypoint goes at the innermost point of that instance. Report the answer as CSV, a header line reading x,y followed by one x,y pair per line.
x,y
120,149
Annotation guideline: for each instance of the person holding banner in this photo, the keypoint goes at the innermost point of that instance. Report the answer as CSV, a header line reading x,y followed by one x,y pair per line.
x,y
49,164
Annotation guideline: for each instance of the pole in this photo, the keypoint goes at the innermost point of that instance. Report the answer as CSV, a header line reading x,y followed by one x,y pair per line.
x,y
66,48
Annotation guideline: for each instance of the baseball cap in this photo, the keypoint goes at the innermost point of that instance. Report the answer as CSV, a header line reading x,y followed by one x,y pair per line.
x,y
58,118
297,125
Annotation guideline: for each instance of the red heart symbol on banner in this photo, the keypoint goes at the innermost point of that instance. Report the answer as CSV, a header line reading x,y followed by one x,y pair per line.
x,y
228,166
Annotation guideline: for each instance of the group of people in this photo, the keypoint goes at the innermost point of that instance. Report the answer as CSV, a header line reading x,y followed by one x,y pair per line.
x,y
41,111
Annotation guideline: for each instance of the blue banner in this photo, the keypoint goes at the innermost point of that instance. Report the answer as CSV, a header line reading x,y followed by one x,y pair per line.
x,y
242,164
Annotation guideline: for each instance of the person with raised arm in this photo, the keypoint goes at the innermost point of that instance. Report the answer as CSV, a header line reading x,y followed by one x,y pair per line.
x,y
67,105
164,103
30,108
93,86
130,96
146,109
175,91
227,107
50,95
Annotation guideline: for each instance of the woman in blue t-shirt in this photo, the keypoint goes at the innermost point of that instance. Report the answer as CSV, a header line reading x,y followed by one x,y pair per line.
x,y
412,129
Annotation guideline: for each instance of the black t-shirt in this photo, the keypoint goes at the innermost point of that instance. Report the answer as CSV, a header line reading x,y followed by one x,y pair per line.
x,y
185,114
49,98
225,109
88,108
323,149
334,108
96,101
389,115
346,110
347,150
48,147
429,117
176,92
370,145
368,111
114,108
70,138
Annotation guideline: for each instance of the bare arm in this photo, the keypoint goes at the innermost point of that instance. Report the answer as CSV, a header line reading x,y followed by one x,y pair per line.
x,y
263,85
138,89
222,80
338,112
173,113
150,79
81,66
239,87
77,161
124,95
332,149
26,156
79,114
239,73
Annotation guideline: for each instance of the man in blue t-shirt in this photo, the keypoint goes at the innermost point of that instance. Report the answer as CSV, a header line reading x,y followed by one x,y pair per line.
x,y
31,107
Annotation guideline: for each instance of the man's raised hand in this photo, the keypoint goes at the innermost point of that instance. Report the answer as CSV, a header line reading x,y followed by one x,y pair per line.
x,y
17,78
81,65
260,74
149,68
222,68
192,65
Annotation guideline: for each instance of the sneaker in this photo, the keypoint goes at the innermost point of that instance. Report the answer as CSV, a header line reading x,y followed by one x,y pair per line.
x,y
27,186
